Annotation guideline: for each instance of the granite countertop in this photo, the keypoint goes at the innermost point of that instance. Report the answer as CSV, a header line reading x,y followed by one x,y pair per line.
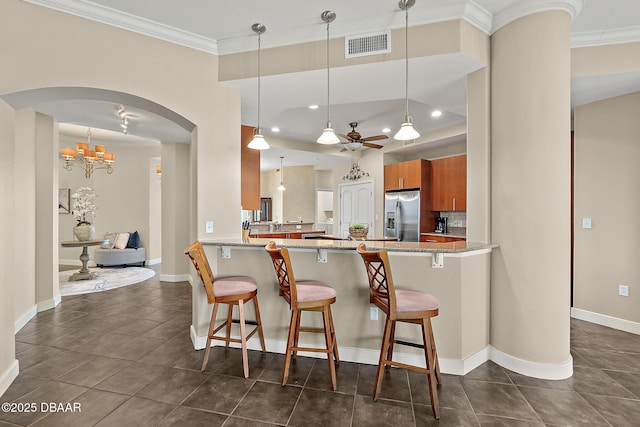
x,y
391,246
259,232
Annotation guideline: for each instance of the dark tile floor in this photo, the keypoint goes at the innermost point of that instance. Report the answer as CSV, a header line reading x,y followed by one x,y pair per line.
x,y
125,356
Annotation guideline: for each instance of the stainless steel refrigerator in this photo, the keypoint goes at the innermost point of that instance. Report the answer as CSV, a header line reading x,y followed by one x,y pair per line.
x,y
402,215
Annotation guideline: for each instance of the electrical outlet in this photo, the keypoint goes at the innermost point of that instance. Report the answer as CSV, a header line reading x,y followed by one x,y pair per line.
x,y
373,313
586,223
623,290
208,227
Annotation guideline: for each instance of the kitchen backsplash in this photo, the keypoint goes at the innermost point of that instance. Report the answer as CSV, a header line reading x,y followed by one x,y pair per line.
x,y
455,218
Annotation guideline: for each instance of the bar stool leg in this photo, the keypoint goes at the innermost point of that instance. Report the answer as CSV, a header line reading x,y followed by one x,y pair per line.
x,y
212,326
392,341
431,376
326,317
287,358
229,323
381,363
435,353
333,337
243,339
296,337
259,322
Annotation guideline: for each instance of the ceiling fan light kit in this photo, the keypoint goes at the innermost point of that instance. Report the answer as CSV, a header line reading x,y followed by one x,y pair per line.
x,y
328,134
406,132
258,142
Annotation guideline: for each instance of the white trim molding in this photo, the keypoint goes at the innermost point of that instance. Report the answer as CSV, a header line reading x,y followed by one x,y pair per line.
x,y
50,303
24,319
545,371
8,376
174,278
605,320
520,9
357,355
601,38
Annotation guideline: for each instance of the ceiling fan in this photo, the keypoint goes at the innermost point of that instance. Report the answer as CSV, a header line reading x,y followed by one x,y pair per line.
x,y
354,139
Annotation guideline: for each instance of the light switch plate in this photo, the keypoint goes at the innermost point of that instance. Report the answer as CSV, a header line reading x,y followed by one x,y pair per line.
x,y
208,227
586,222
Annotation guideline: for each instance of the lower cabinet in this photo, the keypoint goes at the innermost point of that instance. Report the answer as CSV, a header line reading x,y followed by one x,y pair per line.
x,y
440,239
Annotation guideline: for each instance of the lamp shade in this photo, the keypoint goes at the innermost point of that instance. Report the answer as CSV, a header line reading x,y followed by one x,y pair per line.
x,y
406,132
281,187
258,143
328,137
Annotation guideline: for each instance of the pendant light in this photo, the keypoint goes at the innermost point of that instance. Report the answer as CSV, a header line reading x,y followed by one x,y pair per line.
x,y
328,134
258,142
406,132
281,187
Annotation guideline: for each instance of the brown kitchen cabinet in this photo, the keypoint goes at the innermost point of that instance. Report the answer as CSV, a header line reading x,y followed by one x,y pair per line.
x,y
449,184
440,239
249,172
406,175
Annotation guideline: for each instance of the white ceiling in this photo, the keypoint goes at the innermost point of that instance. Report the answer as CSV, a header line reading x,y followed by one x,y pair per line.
x,y
364,93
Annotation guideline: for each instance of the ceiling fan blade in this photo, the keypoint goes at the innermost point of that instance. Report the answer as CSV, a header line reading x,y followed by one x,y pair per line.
x,y
367,144
375,138
343,149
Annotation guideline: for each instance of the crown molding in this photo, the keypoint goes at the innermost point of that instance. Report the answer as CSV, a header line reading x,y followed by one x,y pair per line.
x,y
523,8
130,22
478,16
605,37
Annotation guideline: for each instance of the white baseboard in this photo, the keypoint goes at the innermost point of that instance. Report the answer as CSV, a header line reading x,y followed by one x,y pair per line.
x,y
545,371
356,355
605,320
8,376
24,319
173,277
49,304
154,261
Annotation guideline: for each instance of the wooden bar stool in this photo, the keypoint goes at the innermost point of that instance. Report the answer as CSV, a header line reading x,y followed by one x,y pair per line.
x,y
232,290
402,305
307,295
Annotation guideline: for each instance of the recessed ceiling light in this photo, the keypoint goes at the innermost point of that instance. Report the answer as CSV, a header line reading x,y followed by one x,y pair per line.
x,y
313,107
275,129
386,130
436,113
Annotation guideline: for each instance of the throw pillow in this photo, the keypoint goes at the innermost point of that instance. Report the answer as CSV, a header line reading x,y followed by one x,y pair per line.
x,y
111,240
134,240
121,240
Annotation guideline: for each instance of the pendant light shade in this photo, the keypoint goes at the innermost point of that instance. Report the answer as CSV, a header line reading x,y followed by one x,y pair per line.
x,y
258,142
281,187
328,134
406,132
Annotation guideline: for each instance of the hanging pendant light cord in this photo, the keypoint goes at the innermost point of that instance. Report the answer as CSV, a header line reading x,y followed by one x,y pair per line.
x,y
406,59
259,83
328,81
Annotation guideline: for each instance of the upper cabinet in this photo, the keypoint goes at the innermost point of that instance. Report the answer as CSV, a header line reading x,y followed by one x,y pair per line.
x,y
449,184
249,172
406,175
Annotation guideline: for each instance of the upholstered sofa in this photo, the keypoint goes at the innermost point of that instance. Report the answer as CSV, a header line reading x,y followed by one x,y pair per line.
x,y
120,249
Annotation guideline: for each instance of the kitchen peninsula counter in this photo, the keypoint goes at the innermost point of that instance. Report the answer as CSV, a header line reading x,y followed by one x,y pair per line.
x,y
456,273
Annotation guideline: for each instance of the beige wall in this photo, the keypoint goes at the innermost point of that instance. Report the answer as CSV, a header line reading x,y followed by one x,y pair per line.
x,y
178,78
300,195
8,216
607,154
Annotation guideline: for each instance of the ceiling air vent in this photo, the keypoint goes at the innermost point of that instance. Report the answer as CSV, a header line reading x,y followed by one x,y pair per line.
x,y
367,44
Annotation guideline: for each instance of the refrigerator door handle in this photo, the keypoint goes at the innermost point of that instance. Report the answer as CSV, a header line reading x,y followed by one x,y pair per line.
x,y
399,220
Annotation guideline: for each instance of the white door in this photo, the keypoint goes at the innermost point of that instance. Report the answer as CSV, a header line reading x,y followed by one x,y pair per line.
x,y
356,206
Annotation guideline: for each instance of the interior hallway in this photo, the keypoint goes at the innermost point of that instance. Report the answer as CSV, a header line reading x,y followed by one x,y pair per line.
x,y
126,357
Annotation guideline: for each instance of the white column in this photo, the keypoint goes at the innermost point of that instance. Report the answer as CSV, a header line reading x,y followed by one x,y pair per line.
x,y
531,197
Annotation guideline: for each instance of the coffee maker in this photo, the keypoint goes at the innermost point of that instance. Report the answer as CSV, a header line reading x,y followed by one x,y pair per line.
x,y
441,224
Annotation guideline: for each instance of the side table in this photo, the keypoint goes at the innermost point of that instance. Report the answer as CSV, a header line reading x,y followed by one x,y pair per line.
x,y
84,273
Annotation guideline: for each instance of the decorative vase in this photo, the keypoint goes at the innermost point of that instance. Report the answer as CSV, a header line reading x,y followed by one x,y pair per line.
x,y
84,232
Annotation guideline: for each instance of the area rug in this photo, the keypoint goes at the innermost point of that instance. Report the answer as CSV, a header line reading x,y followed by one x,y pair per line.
x,y
108,278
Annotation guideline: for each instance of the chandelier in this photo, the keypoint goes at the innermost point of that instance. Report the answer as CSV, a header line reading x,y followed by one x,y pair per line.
x,y
355,173
86,158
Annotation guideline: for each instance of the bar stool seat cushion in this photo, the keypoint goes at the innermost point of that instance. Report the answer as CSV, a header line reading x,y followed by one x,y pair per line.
x,y
234,285
408,300
314,290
